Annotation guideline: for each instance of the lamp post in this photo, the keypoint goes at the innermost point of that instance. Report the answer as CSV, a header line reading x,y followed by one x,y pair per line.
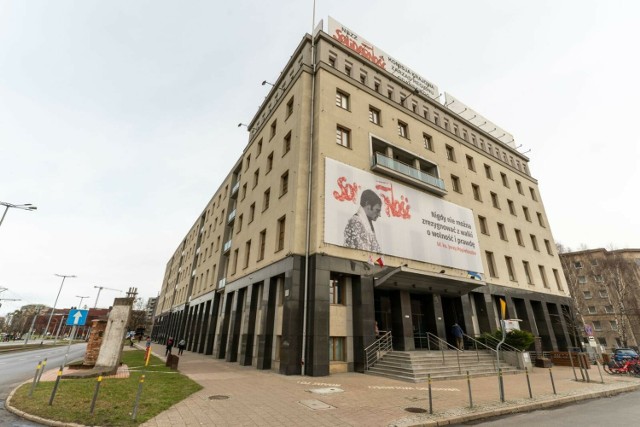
x,y
81,298
64,276
26,207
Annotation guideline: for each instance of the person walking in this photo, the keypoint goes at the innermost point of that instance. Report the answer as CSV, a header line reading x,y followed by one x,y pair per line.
x,y
456,330
181,346
169,346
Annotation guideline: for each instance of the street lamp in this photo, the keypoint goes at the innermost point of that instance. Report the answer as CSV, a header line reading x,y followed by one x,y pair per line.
x,y
81,298
26,207
64,276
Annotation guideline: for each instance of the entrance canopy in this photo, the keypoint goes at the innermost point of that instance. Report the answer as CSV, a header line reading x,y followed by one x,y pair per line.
x,y
409,279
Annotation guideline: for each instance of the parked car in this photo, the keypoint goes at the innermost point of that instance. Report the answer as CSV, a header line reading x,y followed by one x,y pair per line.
x,y
621,354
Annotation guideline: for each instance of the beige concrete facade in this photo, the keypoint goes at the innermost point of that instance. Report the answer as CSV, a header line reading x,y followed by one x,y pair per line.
x,y
236,284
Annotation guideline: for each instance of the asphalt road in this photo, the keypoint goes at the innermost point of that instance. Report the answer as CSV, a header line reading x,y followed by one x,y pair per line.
x,y
16,367
620,410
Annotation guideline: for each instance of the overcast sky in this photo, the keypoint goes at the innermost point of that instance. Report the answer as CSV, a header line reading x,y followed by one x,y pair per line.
x,y
119,119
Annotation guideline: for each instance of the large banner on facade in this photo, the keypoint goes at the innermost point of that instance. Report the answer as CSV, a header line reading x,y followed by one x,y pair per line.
x,y
380,58
370,213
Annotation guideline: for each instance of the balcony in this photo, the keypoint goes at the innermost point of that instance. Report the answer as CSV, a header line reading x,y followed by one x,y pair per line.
x,y
226,247
231,217
221,283
408,174
235,188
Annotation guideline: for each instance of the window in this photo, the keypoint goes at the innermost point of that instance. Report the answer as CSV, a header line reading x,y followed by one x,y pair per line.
x,y
519,187
505,181
556,276
234,265
547,244
281,231
274,127
494,200
473,139
526,213
597,325
603,293
465,136
256,177
259,148
512,207
592,309
247,162
239,224
534,242
476,192
587,294
284,183
332,60
608,309
446,124
543,275
265,200
286,144
483,225
428,141
491,264
487,172
436,119
582,279
403,129
374,115
336,349
594,262
263,239
470,164
502,232
363,78
342,100
247,253
336,292
289,107
270,162
519,237
527,272
252,212
540,220
347,68
451,154
244,191
455,184
390,93
509,261
533,194
577,264
343,137
376,85
455,129
613,324
598,278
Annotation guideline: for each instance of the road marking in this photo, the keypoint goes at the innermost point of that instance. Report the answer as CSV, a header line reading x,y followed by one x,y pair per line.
x,y
391,387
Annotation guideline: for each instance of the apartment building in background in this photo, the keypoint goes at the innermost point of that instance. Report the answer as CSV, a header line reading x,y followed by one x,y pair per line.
x,y
362,197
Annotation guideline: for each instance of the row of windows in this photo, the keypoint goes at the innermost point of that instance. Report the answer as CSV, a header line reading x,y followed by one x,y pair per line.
x,y
597,325
493,272
592,309
495,201
484,229
602,293
598,278
279,245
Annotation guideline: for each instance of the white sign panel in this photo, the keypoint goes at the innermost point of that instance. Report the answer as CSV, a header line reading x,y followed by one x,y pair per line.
x,y
370,213
377,56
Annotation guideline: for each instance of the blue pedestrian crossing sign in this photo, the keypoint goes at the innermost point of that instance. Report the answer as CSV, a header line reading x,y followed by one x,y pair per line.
x,y
77,317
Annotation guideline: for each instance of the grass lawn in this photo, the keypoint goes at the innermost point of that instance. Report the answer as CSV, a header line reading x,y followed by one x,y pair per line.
x,y
161,389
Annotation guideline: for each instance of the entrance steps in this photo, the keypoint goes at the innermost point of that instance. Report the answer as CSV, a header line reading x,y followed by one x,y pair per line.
x,y
415,366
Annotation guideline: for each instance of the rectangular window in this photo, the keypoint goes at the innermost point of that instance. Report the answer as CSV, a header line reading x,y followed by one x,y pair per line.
x,y
286,144
332,61
483,225
455,184
582,279
603,293
598,278
526,213
252,212
239,224
487,172
247,162
451,154
247,253
403,129
363,78
494,200
284,183
436,119
534,242
289,107
509,261
556,276
592,309
265,200
256,177
502,232
244,191
347,68
476,192
343,137
259,148
540,220
608,309
374,115
342,99
543,275
470,164
336,349
613,324
336,292
455,129
428,141
376,85
577,264
491,264
527,272
234,265
547,245
512,207
597,325
446,124
263,239
270,162
505,181
465,136
281,230
519,237
533,194
587,294
274,127
519,187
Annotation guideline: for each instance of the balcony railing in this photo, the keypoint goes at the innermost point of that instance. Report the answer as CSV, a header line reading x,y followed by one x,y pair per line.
x,y
226,246
221,283
232,216
235,188
408,174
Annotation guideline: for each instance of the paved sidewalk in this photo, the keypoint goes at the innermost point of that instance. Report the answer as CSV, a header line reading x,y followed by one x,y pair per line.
x,y
235,395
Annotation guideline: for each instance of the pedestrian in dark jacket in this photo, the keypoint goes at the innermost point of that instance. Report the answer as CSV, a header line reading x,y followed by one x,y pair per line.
x,y
456,330
169,346
182,344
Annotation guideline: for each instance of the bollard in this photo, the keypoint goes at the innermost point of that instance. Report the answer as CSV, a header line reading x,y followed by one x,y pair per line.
x,y
581,366
526,371
583,361
135,406
599,372
95,394
469,386
430,400
44,364
35,378
572,365
55,387
552,383
500,385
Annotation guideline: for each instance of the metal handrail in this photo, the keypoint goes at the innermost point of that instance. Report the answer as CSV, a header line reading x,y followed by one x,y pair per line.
x,y
439,342
476,342
377,349
495,341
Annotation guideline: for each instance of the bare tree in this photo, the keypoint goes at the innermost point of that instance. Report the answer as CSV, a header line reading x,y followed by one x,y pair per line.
x,y
621,275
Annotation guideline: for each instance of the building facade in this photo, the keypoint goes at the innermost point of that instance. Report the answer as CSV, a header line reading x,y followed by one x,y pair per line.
x,y
605,286
359,199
